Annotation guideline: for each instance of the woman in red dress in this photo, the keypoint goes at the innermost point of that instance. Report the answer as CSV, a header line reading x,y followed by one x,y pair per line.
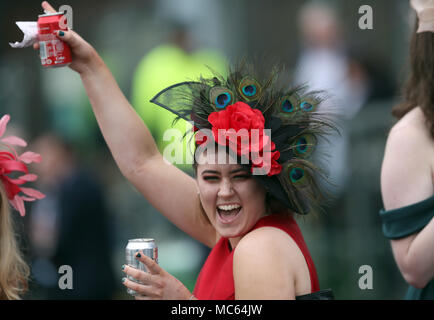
x,y
242,201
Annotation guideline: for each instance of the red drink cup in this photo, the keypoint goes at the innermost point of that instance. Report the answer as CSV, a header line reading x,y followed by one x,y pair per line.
x,y
53,51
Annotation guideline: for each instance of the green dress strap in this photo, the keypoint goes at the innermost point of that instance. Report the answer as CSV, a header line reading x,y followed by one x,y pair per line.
x,y
402,222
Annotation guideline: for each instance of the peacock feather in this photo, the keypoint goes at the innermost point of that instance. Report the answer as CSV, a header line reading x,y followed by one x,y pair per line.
x,y
291,113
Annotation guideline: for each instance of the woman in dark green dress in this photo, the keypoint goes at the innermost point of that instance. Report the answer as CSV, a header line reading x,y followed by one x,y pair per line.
x,y
408,167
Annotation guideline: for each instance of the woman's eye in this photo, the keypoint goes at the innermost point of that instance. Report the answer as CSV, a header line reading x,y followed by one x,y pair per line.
x,y
210,178
242,176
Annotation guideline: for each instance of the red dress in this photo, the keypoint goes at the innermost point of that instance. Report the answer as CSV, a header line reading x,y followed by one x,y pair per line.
x,y
216,281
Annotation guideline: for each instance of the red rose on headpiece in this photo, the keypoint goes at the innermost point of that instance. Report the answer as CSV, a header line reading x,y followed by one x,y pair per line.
x,y
237,116
238,123
235,123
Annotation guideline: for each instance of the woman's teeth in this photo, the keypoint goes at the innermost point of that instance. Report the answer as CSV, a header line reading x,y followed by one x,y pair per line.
x,y
229,207
228,213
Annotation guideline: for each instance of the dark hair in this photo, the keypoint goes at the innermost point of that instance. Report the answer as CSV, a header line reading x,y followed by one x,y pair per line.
x,y
272,205
419,88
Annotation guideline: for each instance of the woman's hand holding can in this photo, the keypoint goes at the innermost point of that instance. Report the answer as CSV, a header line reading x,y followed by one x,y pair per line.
x,y
84,56
157,284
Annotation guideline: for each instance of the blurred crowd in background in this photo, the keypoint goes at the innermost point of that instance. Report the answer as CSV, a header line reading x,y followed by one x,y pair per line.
x,y
91,211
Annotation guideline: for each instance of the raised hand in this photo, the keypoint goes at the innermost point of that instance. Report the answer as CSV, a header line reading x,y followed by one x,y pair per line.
x,y
84,55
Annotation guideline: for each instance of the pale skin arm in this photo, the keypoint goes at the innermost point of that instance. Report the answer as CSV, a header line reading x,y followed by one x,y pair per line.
x,y
168,189
406,179
265,266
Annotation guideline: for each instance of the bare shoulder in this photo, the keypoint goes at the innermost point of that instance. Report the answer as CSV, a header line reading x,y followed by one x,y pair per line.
x,y
269,238
272,244
273,260
406,169
412,123
408,140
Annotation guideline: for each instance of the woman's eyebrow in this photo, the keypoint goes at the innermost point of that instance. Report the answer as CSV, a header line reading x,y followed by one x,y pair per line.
x,y
217,172
238,170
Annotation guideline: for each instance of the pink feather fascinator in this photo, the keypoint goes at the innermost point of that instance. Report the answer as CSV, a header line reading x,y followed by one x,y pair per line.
x,y
11,163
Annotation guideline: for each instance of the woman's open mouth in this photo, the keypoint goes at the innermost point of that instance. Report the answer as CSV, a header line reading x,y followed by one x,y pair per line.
x,y
228,213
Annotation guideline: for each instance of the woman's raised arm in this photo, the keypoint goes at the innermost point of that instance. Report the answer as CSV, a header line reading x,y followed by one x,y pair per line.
x,y
166,187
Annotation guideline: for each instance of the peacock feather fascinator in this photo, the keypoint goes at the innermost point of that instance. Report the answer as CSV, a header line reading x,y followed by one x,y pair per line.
x,y
245,100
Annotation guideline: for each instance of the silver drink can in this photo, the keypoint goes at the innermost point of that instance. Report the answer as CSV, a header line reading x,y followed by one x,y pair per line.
x,y
148,247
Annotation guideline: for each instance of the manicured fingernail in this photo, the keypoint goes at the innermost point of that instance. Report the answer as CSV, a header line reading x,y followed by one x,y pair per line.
x,y
124,279
139,255
123,267
61,33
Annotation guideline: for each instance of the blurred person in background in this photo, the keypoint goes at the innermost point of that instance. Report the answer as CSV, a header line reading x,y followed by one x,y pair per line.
x,y
169,63
14,271
237,222
324,64
408,166
70,227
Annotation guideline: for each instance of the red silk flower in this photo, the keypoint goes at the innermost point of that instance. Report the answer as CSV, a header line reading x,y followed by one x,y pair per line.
x,y
11,162
241,123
